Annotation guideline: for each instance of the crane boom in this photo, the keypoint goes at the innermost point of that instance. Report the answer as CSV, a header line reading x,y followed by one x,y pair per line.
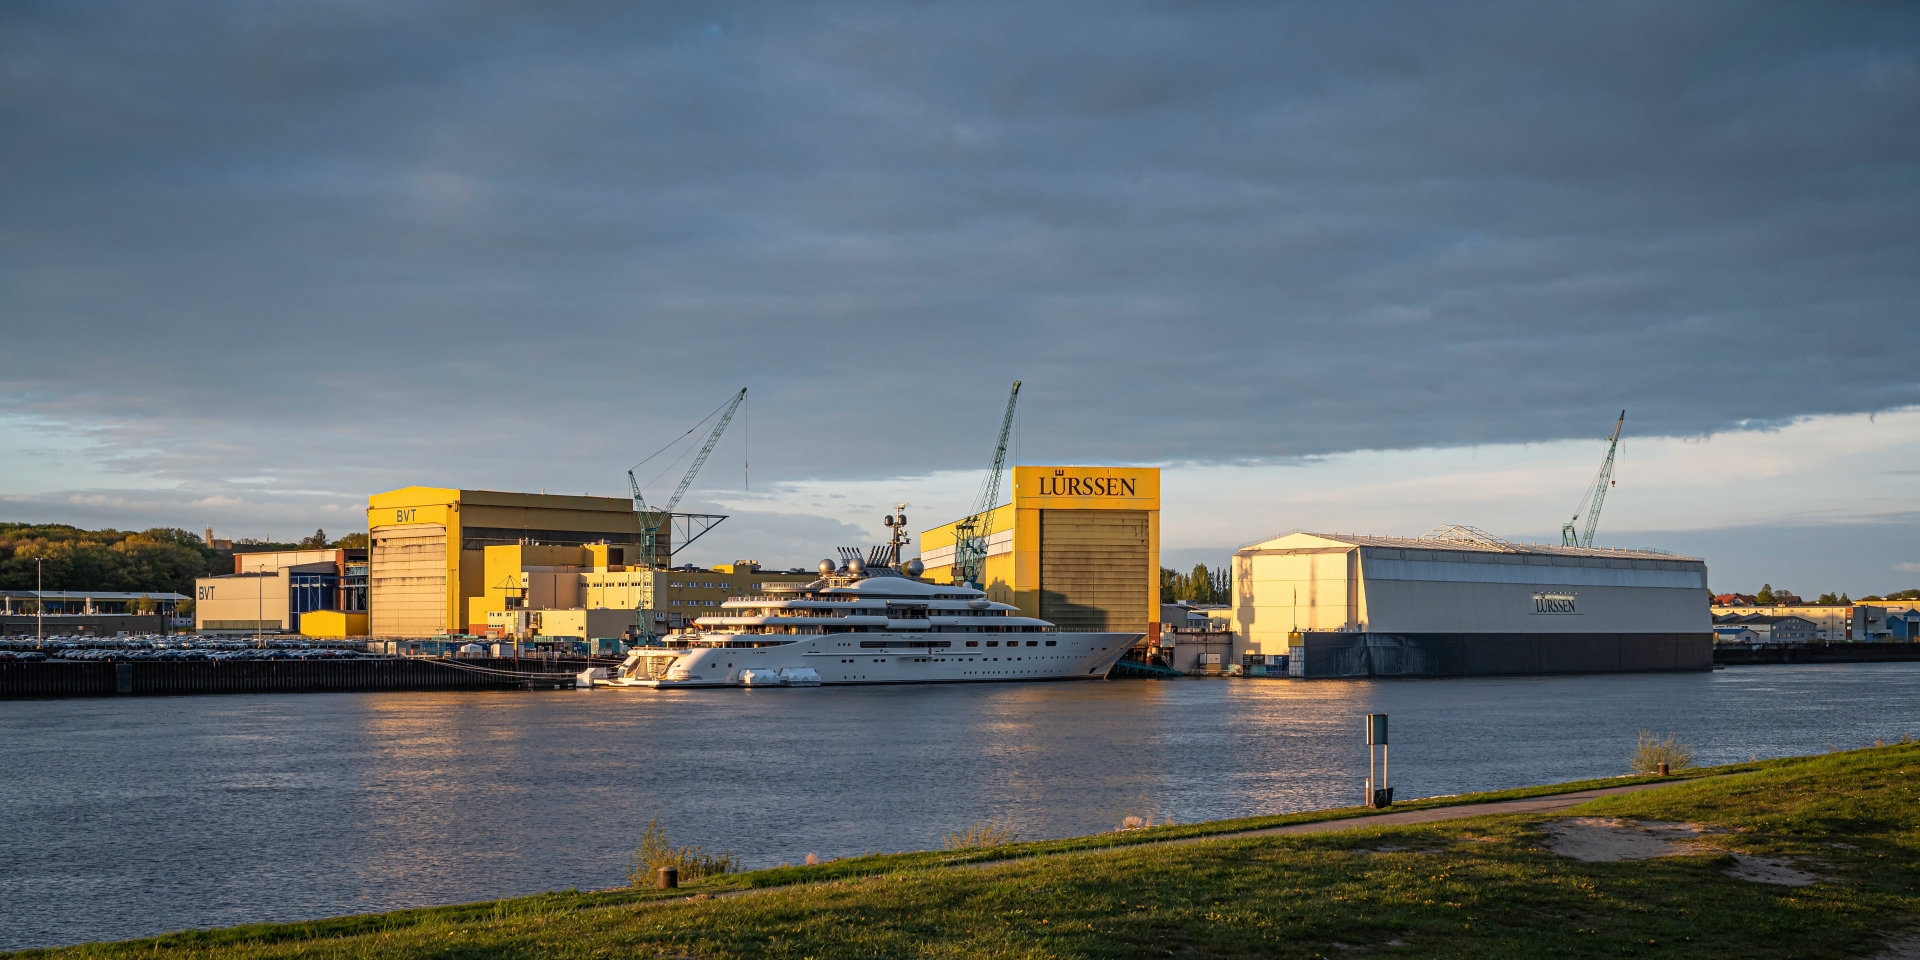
x,y
1596,495
651,519
972,533
705,450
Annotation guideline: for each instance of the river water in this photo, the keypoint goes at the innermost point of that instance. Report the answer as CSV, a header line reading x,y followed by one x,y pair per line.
x,y
128,817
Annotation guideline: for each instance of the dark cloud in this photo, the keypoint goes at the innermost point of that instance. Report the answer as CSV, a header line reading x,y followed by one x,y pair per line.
x,y
359,244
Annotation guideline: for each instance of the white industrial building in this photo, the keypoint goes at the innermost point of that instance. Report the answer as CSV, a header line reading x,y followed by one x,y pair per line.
x,y
1459,601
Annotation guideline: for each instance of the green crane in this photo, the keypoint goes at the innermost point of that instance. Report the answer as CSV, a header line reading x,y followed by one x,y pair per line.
x,y
1595,495
652,519
970,535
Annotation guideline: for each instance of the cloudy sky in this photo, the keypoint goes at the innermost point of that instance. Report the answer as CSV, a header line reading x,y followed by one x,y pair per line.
x,y
1352,266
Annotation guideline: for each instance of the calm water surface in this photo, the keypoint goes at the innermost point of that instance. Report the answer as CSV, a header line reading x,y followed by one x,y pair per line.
x,y
121,818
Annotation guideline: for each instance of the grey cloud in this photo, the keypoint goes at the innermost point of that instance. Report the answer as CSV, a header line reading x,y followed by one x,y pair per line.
x,y
360,245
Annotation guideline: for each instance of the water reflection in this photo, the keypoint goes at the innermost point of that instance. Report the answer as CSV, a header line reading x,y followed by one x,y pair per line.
x,y
128,817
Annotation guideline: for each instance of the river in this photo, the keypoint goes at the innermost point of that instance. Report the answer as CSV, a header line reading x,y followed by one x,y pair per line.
x,y
127,817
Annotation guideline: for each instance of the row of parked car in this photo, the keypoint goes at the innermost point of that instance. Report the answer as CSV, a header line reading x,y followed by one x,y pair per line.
x,y
183,655
170,648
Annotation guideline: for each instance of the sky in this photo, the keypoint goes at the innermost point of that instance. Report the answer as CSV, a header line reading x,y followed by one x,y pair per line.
x,y
1370,267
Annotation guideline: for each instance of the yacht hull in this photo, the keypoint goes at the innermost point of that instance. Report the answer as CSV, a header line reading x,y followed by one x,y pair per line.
x,y
853,659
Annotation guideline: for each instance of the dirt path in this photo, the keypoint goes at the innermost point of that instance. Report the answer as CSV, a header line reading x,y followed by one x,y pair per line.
x,y
1547,804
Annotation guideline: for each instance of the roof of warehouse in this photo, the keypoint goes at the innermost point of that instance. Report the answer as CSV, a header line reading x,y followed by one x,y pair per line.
x,y
1473,540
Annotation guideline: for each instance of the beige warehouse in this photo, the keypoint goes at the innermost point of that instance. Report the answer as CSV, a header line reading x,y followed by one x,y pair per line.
x,y
1460,601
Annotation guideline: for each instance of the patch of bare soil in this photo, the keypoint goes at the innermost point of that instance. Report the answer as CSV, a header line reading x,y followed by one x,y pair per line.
x,y
1761,870
1610,840
1905,948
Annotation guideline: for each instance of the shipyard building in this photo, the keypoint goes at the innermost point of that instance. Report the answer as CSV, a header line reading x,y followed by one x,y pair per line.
x,y
427,548
317,593
1077,546
1460,602
536,567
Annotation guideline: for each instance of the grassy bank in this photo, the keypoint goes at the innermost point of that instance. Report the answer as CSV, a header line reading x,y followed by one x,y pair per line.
x,y
1480,887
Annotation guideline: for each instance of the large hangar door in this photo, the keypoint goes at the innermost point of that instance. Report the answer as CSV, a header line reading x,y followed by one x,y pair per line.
x,y
407,581
1094,570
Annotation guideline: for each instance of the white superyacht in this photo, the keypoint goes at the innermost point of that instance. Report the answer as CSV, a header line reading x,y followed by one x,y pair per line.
x,y
869,620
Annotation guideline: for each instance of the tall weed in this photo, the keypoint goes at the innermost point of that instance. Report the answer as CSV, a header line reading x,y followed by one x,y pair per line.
x,y
656,851
1650,753
981,835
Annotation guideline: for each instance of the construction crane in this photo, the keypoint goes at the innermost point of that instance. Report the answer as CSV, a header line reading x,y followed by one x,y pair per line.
x,y
971,534
652,519
1595,495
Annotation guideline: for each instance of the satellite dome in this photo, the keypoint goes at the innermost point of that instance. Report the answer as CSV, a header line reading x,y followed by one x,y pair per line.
x,y
856,566
827,568
915,568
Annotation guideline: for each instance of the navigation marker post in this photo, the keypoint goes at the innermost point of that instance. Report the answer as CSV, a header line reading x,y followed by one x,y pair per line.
x,y
1379,794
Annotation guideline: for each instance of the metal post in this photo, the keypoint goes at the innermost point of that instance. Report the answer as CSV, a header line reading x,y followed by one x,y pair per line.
x,y
1378,794
1370,777
40,603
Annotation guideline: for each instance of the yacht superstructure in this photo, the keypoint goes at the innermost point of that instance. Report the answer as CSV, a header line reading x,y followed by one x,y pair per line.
x,y
870,620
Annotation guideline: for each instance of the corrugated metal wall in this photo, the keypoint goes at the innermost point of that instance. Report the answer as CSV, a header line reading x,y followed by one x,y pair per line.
x,y
1095,570
407,581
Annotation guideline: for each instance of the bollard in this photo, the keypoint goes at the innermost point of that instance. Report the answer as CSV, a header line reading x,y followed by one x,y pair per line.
x,y
1661,769
668,878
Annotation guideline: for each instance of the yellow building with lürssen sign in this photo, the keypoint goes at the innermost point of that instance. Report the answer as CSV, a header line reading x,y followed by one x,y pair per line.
x,y
1078,546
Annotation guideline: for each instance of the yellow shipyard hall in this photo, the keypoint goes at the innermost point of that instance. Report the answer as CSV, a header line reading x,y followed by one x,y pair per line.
x,y
1078,546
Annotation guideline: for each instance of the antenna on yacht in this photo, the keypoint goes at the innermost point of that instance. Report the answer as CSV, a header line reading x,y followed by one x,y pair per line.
x,y
897,522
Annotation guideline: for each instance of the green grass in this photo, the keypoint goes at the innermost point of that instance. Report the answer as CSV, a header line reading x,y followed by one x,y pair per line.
x,y
1476,887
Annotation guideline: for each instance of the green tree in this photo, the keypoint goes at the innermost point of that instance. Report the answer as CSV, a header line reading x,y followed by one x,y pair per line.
x,y
1199,584
352,541
316,542
159,560
1766,593
1202,585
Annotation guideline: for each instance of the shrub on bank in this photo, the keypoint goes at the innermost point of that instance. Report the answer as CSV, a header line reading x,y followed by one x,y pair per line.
x,y
981,835
656,851
1649,754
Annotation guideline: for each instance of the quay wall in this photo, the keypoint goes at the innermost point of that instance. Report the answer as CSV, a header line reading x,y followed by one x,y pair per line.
x,y
1740,654
1350,655
55,678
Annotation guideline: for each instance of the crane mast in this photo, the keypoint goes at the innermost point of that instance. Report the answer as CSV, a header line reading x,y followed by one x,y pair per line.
x,y
651,519
1595,496
971,534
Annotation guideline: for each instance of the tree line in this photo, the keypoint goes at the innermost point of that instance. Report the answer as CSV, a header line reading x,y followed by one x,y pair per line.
x,y
157,560
1202,585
